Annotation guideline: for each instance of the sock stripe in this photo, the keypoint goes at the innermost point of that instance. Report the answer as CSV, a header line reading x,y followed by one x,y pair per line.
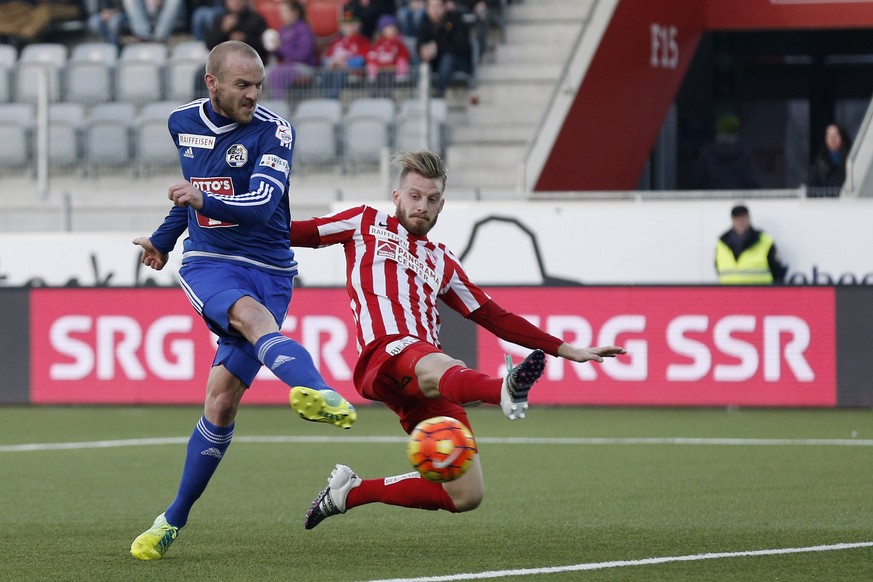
x,y
270,343
214,438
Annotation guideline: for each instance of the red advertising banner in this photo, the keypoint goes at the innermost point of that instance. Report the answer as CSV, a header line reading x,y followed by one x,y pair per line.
x,y
688,346
710,346
149,346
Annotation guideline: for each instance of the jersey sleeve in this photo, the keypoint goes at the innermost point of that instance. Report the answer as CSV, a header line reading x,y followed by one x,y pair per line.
x,y
330,229
515,329
459,292
165,237
269,179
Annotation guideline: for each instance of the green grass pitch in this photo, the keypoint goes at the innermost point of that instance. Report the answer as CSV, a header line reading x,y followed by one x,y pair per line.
x,y
571,494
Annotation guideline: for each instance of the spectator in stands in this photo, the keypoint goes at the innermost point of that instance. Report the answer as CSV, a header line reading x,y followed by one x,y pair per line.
x,y
106,19
240,22
726,163
747,256
25,21
369,12
409,17
484,14
202,15
153,20
828,170
388,59
296,54
345,57
444,42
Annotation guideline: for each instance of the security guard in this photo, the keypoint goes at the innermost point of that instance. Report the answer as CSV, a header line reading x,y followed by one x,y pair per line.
x,y
747,256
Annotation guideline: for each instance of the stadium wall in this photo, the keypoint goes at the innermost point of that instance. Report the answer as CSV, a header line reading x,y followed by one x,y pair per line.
x,y
687,345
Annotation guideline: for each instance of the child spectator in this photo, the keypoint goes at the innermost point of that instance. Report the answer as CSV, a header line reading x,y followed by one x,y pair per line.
x,y
388,59
106,19
345,57
296,54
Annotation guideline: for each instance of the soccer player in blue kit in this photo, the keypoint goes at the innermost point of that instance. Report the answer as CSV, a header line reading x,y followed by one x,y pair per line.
x,y
237,265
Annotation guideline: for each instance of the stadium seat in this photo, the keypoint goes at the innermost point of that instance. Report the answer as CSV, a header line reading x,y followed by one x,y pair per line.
x,y
187,61
277,106
16,133
368,128
33,60
153,145
90,73
8,59
409,125
65,125
317,123
107,135
140,76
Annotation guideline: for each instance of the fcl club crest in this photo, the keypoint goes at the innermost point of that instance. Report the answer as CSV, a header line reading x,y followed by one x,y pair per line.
x,y
237,156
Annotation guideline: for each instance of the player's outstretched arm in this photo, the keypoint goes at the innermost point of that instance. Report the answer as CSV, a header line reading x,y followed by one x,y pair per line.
x,y
151,257
575,354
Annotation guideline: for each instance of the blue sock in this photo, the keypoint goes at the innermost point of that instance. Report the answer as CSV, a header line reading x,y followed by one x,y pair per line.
x,y
206,447
289,361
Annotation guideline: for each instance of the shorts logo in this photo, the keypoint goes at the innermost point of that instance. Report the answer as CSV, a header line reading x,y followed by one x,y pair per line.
x,y
276,163
236,156
283,134
206,142
398,346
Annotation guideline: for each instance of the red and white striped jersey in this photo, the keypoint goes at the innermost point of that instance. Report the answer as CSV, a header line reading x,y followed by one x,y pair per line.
x,y
393,277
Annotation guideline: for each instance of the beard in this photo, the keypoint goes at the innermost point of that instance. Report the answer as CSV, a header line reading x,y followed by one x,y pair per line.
x,y
418,225
234,110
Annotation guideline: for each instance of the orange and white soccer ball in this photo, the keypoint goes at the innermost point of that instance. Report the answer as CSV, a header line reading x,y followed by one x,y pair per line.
x,y
441,449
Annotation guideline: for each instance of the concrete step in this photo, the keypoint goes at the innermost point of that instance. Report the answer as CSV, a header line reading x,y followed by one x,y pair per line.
x,y
496,165
520,73
491,134
507,115
549,11
558,34
512,54
532,94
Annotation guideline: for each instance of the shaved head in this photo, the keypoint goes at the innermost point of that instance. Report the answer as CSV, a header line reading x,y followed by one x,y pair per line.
x,y
222,53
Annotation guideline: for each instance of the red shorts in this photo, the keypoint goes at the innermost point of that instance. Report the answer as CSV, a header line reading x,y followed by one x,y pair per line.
x,y
385,372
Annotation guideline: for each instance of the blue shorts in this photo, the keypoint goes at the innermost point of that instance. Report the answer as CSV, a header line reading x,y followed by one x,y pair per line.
x,y
213,287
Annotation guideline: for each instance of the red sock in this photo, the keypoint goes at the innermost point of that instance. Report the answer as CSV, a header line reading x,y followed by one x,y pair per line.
x,y
409,490
463,385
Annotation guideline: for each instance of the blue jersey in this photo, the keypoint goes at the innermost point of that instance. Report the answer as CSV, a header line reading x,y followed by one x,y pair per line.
x,y
243,172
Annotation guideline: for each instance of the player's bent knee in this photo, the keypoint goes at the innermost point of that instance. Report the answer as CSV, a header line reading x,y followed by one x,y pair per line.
x,y
468,501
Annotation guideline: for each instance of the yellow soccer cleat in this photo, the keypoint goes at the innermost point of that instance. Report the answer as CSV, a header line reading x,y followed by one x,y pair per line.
x,y
322,406
153,543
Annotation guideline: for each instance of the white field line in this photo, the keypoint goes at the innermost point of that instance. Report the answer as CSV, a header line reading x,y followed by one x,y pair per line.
x,y
743,442
625,563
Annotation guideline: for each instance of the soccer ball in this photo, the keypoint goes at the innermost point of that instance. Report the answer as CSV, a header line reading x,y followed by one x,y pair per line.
x,y
441,449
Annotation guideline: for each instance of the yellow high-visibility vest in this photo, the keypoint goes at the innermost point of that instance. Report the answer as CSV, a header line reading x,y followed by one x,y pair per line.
x,y
750,268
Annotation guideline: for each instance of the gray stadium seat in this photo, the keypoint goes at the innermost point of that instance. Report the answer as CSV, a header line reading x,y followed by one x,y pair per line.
x,y
317,123
8,59
65,125
154,148
90,73
368,127
35,58
108,135
140,74
277,106
408,132
187,61
16,132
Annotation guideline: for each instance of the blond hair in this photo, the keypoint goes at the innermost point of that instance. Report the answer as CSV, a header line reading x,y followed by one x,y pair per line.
x,y
423,162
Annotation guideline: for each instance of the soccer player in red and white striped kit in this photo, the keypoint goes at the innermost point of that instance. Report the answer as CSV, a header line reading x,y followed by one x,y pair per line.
x,y
395,275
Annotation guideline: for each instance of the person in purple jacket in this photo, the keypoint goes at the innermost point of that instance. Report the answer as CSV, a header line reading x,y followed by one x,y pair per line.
x,y
296,55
